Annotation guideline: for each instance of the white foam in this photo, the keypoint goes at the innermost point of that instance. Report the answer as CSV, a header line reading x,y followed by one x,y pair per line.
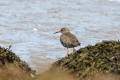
x,y
115,0
35,29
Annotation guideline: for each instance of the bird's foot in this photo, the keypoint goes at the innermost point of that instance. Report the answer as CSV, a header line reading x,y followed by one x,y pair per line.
x,y
68,55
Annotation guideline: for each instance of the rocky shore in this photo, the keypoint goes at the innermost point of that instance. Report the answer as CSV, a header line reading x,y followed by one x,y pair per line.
x,y
89,63
104,57
12,67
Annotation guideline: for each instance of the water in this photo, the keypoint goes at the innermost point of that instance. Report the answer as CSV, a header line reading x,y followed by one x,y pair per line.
x,y
28,25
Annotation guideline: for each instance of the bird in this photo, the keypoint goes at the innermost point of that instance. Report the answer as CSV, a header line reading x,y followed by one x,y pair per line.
x,y
67,39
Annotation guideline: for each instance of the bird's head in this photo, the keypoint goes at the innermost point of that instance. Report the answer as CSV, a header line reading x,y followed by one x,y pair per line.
x,y
63,30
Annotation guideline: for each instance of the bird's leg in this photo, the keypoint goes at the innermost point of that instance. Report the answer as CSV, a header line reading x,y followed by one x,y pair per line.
x,y
67,52
74,49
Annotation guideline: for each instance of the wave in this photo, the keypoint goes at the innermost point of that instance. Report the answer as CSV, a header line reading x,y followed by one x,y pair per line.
x,y
115,0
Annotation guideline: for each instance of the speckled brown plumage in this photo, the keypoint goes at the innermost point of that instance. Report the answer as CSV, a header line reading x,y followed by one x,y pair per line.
x,y
68,40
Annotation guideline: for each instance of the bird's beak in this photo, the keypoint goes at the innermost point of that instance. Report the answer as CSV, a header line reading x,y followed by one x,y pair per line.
x,y
57,32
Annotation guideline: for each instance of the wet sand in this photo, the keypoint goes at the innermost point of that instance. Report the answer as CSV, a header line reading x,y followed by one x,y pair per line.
x,y
28,25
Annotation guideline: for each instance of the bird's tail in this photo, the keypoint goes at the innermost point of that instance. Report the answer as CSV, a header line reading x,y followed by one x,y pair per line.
x,y
79,44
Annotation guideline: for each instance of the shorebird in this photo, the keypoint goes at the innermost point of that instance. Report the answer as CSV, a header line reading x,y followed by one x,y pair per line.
x,y
68,40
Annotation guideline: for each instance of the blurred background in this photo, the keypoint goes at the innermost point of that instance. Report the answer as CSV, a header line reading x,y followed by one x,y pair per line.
x,y
28,25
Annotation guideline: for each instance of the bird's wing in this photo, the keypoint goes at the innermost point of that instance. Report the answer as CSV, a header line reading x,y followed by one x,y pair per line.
x,y
73,39
65,39
69,40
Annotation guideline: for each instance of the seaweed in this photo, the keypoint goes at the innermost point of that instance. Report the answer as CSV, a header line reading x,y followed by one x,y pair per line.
x,y
9,57
102,57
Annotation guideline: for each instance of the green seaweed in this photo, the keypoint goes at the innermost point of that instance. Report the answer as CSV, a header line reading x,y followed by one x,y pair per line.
x,y
7,56
103,57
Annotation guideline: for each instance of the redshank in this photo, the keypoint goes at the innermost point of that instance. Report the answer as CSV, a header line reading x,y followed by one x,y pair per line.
x,y
68,40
